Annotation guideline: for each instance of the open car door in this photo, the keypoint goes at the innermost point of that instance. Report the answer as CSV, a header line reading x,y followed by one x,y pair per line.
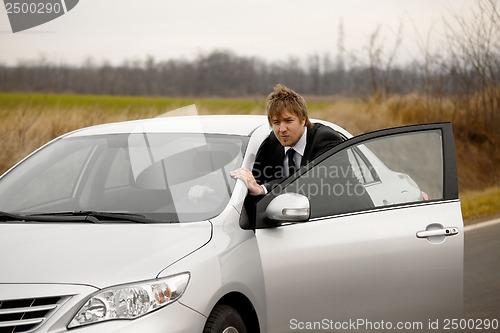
x,y
369,233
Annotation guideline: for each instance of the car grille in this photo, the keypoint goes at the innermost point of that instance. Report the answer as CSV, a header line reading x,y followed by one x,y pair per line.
x,y
26,315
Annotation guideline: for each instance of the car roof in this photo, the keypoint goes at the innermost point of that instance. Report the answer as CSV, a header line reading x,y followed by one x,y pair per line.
x,y
214,124
242,125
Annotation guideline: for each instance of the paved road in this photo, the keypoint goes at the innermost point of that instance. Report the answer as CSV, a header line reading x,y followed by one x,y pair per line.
x,y
482,271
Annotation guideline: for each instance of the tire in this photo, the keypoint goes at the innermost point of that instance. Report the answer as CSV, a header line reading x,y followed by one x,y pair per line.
x,y
224,319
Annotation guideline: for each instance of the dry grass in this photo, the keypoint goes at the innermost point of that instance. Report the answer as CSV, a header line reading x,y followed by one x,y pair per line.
x,y
478,205
28,121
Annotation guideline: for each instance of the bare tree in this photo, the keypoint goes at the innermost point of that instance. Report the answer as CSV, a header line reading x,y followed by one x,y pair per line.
x,y
381,60
474,51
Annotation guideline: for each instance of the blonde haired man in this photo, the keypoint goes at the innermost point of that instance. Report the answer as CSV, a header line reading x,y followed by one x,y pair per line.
x,y
293,142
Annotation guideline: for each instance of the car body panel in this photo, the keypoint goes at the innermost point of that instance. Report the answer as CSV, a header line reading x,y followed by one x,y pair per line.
x,y
229,264
80,253
363,266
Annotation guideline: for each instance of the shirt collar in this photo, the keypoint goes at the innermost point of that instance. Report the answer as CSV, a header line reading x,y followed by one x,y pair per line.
x,y
300,146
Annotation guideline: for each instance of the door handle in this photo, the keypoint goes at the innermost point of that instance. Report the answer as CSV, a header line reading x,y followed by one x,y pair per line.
x,y
437,232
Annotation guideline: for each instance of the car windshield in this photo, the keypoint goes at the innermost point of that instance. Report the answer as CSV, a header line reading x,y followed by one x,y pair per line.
x,y
172,177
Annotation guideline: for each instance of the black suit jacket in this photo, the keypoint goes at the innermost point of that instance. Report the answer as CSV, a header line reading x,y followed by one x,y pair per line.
x,y
268,168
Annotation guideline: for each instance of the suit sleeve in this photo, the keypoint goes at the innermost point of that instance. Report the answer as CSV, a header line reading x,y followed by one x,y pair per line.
x,y
325,139
268,167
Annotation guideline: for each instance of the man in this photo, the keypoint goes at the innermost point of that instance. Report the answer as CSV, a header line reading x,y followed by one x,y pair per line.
x,y
294,141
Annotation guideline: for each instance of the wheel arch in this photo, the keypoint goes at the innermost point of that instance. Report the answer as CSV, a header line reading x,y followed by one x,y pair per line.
x,y
244,307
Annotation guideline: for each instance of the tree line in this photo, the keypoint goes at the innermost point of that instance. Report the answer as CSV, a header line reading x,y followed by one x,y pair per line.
x,y
220,73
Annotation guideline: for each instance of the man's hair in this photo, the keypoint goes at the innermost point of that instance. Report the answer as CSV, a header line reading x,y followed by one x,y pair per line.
x,y
285,98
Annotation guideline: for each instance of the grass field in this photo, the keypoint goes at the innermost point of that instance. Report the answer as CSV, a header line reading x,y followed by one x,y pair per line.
x,y
29,120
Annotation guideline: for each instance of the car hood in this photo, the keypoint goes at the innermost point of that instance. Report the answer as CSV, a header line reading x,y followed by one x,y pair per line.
x,y
99,255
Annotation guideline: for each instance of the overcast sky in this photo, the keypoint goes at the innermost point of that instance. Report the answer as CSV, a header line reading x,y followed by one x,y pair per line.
x,y
115,30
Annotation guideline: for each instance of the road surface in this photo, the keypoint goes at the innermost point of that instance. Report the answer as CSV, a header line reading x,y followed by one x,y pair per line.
x,y
482,272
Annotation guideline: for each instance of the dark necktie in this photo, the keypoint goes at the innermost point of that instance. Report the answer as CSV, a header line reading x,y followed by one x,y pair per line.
x,y
291,163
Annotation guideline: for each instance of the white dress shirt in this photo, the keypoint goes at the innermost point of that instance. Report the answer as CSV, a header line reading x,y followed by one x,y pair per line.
x,y
299,148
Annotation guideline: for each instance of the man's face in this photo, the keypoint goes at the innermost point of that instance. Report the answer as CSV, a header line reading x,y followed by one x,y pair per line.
x,y
288,127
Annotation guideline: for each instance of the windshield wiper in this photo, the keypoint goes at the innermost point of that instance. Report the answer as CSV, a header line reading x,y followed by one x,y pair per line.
x,y
12,217
98,217
77,216
4,216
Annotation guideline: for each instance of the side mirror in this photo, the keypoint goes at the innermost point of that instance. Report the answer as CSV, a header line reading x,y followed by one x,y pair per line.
x,y
289,207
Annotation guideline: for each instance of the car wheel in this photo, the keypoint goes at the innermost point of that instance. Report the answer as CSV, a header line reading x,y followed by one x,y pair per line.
x,y
224,319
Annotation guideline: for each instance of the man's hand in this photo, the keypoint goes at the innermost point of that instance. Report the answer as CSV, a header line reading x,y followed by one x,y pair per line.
x,y
247,177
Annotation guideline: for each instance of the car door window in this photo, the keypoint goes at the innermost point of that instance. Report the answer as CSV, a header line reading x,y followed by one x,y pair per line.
x,y
389,170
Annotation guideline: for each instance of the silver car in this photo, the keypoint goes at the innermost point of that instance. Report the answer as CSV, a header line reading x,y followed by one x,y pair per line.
x,y
138,227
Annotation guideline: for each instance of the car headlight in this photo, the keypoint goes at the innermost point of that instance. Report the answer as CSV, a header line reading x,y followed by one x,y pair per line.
x,y
130,301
